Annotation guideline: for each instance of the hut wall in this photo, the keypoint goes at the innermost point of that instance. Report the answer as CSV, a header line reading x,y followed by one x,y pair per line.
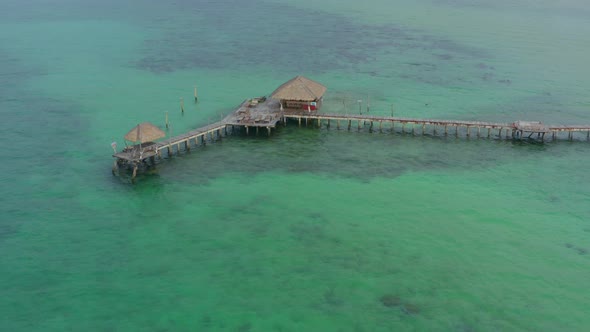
x,y
298,104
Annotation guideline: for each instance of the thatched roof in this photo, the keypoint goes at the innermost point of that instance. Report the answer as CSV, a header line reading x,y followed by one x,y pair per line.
x,y
299,88
144,132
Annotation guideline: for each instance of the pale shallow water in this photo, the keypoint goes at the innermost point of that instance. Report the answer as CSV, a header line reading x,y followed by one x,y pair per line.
x,y
309,229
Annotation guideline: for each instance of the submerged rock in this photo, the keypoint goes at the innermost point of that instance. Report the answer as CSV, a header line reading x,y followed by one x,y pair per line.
x,y
390,300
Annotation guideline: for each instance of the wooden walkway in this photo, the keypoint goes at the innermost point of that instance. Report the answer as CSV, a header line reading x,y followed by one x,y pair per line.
x,y
267,114
510,130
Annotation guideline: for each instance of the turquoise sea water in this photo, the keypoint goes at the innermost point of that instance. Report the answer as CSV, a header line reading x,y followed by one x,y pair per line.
x,y
309,229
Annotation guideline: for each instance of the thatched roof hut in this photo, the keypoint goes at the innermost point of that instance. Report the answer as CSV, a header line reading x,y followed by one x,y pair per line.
x,y
301,89
144,132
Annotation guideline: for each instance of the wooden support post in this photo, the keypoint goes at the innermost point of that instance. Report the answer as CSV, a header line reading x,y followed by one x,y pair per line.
x,y
371,127
115,167
268,128
196,98
359,124
153,160
404,128
423,126
257,130
434,130
166,119
456,131
247,127
169,152
319,123
571,135
182,105
380,125
543,137
328,123
306,121
507,135
134,172
588,135
349,124
178,148
187,145
468,131
338,124
478,131
500,133
489,132
446,131
299,122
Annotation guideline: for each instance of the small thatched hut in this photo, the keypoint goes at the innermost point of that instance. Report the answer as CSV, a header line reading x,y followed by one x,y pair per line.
x,y
300,93
143,136
144,132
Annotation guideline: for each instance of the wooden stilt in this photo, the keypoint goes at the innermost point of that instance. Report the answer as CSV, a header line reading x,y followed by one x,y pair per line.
x,y
134,172
166,119
247,127
456,131
115,167
328,123
371,127
478,131
500,133
349,124
434,130
489,132
196,94
446,131
380,125
404,128
182,105
257,131
423,126
187,145
554,135
359,125
299,122
169,152
468,131
337,124
319,123
268,128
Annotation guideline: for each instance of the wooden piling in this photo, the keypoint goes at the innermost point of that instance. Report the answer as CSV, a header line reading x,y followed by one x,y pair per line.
x,y
299,121
247,126
166,119
404,128
423,126
349,124
446,131
196,98
268,128
489,132
468,131
478,131
182,105
456,131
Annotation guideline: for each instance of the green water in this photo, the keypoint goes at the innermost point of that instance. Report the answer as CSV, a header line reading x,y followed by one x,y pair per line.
x,y
309,229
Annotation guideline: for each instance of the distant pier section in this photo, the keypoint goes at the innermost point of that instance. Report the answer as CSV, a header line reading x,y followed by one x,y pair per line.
x,y
299,100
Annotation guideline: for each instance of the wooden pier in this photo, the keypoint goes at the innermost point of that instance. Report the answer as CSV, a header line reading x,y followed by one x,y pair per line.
x,y
257,113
